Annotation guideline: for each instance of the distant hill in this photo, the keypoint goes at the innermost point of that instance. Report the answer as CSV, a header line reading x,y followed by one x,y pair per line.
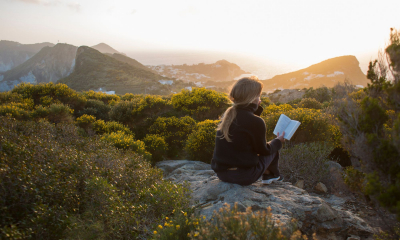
x,y
220,71
104,48
48,65
94,70
327,73
12,54
128,60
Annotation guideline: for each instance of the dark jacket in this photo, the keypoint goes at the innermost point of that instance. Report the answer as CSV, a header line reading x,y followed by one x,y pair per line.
x,y
247,133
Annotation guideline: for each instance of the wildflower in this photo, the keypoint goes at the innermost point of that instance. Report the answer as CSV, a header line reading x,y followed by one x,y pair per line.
x,y
196,234
155,232
159,226
166,218
177,227
185,214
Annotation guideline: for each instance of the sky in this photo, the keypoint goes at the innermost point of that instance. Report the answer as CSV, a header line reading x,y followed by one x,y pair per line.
x,y
300,32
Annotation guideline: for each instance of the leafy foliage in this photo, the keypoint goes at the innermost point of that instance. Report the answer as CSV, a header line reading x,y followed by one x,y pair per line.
x,y
306,161
309,103
370,131
228,223
315,125
174,130
59,184
200,143
200,103
48,93
322,94
96,108
132,112
157,146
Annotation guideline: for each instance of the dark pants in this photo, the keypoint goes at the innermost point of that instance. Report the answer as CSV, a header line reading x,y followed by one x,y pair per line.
x,y
247,176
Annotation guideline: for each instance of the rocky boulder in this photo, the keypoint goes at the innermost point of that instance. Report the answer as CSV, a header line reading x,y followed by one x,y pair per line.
x,y
324,215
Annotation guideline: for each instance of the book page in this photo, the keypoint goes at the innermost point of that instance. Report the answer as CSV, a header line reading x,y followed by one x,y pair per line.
x,y
291,129
283,122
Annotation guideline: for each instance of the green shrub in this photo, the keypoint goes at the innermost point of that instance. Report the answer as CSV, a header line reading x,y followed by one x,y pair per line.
x,y
200,143
156,145
265,102
132,113
309,103
315,125
64,186
101,127
105,98
131,96
228,223
174,130
354,179
58,113
50,93
86,121
15,110
306,161
273,108
200,103
96,108
322,94
9,97
125,141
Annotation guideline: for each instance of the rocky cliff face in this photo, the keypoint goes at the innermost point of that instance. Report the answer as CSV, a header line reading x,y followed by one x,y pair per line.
x,y
13,54
326,73
48,65
326,215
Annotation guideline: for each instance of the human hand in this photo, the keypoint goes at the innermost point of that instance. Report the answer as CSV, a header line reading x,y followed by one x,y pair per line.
x,y
281,138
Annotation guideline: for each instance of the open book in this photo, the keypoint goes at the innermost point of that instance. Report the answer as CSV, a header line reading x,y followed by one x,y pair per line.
x,y
287,125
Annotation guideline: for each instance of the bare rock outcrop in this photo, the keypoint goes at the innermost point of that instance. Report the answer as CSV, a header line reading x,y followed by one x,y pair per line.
x,y
322,215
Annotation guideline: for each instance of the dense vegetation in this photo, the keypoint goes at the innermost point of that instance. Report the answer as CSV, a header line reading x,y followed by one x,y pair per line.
x,y
81,164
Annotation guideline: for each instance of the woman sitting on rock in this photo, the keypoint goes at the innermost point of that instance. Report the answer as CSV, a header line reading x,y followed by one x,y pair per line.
x,y
241,153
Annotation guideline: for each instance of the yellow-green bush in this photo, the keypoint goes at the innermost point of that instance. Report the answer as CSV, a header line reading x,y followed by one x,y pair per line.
x,y
315,125
273,108
58,113
200,143
86,121
105,98
228,223
101,127
64,186
309,103
96,108
201,103
265,102
174,130
132,112
126,141
9,97
305,161
19,111
157,146
50,93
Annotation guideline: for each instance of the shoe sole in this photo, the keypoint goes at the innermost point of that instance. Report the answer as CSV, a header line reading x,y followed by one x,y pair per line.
x,y
269,181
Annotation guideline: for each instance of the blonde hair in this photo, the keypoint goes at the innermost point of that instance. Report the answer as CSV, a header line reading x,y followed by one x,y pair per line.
x,y
243,92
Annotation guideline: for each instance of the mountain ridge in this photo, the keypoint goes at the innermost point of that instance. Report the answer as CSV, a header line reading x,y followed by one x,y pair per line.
x,y
328,73
94,70
48,65
13,54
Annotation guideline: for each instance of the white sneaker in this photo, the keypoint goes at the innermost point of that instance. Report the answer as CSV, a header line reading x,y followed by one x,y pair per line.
x,y
268,179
